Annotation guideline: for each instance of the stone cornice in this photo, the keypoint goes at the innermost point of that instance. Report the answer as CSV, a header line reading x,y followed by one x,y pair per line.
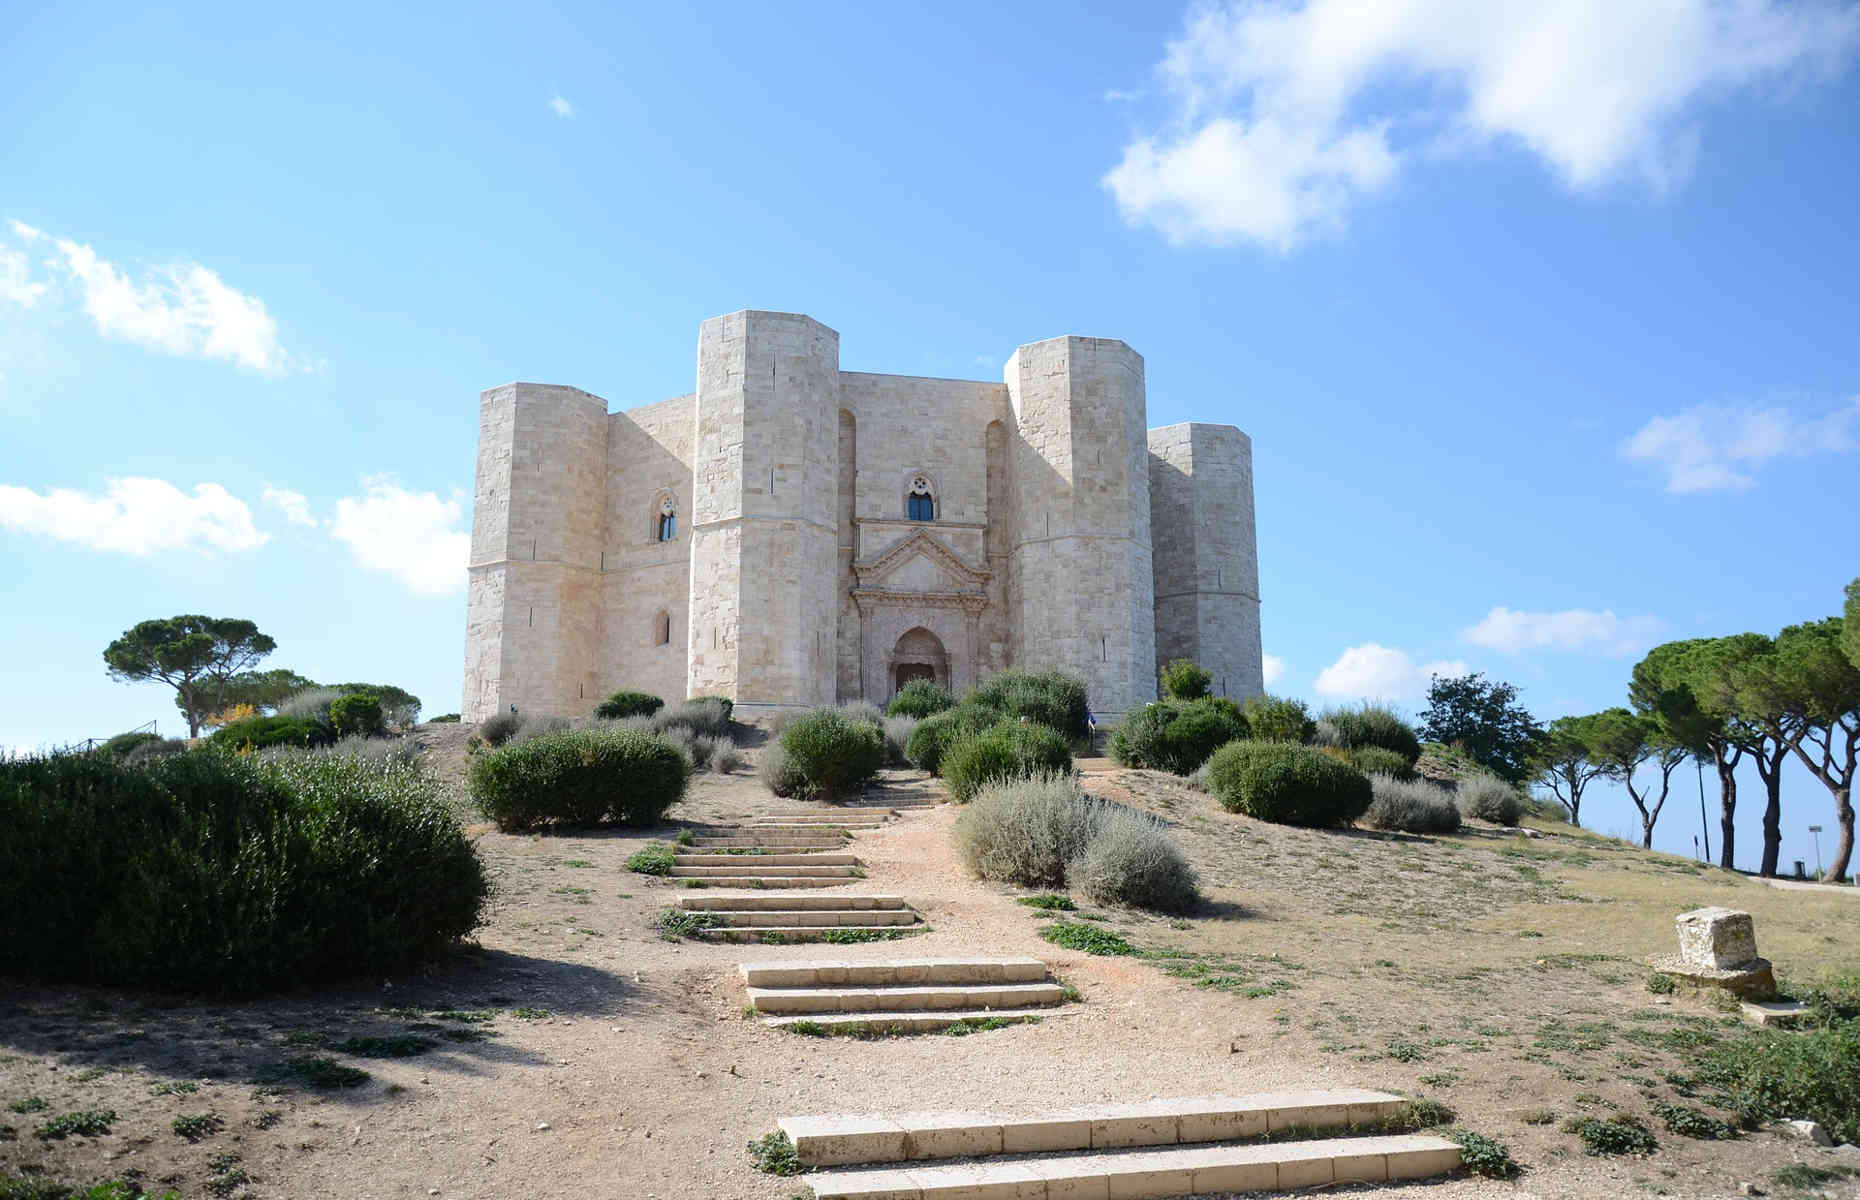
x,y
869,599
872,571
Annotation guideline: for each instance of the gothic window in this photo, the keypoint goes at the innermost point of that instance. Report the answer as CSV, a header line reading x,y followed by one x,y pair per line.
x,y
662,629
668,520
920,505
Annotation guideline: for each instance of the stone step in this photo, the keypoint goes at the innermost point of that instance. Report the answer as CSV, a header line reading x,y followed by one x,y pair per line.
x,y
834,859
778,842
825,972
1152,1174
904,997
907,1022
755,871
842,918
821,821
789,933
759,882
839,1141
776,902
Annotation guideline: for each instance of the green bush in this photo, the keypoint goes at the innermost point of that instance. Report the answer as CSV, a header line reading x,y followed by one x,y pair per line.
x,y
444,719
220,872
1025,831
357,713
1011,750
1175,736
580,777
778,776
499,728
1287,784
1131,860
919,698
936,733
1768,1075
125,743
1052,698
655,859
1619,1134
628,704
1375,725
256,733
1375,760
1410,806
1490,798
1186,680
833,752
1279,719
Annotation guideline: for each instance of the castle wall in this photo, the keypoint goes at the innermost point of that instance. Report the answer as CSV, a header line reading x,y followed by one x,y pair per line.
x,y
1206,561
644,581
1080,592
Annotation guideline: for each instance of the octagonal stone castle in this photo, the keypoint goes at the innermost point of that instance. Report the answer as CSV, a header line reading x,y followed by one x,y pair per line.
x,y
792,534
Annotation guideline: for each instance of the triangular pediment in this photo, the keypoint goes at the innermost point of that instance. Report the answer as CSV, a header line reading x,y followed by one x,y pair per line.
x,y
920,563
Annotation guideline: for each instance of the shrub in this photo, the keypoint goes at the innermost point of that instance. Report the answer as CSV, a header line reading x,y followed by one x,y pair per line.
x,y
709,716
898,732
1620,1134
1288,785
580,777
1025,831
1052,698
357,713
312,703
919,698
728,705
936,733
1410,806
1490,798
1375,725
832,751
220,872
1374,760
1768,1076
148,752
725,757
1186,680
1481,1155
398,705
123,743
1279,719
1131,860
778,776
1324,734
1178,737
628,704
862,710
444,719
256,733
1011,750
500,727
655,859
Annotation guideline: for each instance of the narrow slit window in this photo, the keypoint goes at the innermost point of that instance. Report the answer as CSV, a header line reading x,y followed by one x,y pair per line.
x,y
662,629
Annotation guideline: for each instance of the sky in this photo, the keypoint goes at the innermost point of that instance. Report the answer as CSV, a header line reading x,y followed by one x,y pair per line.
x,y
1541,317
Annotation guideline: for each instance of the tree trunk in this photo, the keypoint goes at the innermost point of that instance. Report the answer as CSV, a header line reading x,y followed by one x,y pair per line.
x,y
1727,802
1771,774
1844,814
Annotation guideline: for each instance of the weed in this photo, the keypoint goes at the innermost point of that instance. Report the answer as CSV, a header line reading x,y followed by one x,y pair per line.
x,y
174,1087
1620,1134
475,1016
699,883
1048,900
684,838
1071,994
267,1119
402,1045
1805,1178
315,1072
198,1126
677,923
581,863
1690,1122
31,1104
87,1122
1662,985
807,1028
1441,1079
655,859
1481,1155
227,1174
1402,1050
1538,1116
841,937
773,1154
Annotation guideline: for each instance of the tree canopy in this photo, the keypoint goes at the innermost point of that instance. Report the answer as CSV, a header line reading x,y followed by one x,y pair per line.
x,y
1484,719
193,654
1564,761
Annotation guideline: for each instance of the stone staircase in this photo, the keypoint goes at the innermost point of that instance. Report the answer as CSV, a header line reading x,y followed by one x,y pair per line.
x,y
799,918
802,849
910,995
1160,1148
766,869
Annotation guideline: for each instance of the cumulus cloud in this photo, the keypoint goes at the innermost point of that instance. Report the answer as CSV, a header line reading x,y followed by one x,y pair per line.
x,y
134,516
415,536
1375,672
1514,631
294,505
17,285
1717,447
1284,114
1274,668
559,105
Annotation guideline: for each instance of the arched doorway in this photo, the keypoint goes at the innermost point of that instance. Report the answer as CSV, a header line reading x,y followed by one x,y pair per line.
x,y
919,654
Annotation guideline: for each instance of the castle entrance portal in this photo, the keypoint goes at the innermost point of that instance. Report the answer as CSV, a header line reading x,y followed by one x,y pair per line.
x,y
919,654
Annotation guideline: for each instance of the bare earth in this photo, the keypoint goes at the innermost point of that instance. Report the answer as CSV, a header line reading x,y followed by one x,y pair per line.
x,y
1496,973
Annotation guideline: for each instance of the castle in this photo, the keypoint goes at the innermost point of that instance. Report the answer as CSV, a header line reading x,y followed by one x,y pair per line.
x,y
792,534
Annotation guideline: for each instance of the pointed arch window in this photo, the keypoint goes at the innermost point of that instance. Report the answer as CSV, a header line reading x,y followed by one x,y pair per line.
x,y
920,504
667,525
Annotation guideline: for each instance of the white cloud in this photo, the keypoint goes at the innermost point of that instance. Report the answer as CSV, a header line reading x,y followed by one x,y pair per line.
x,y
1375,672
134,516
294,505
559,105
25,232
1284,115
1274,668
16,283
415,536
184,310
1513,631
1716,447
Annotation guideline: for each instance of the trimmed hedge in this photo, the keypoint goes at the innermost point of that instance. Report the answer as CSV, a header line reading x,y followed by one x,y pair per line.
x,y
919,698
580,777
1170,735
1052,698
256,733
936,733
357,713
832,751
1010,750
1288,784
628,704
228,873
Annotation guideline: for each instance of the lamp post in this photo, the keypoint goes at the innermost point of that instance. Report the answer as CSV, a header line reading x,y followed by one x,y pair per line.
x,y
1816,830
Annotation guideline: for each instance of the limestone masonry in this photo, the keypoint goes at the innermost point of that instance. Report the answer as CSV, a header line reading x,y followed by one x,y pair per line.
x,y
792,534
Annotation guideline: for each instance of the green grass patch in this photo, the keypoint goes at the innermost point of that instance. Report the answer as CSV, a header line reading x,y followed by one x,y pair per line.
x,y
1089,938
85,1122
532,1014
1619,1134
1051,901
655,859
1690,1122
846,937
197,1125
675,924
28,1104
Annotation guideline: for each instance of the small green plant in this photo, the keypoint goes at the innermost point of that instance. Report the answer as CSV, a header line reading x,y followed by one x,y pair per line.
x,y
403,1045
174,1087
1051,901
228,1175
773,1154
1089,938
197,1125
1662,985
655,859
677,923
476,1016
532,1014
1619,1134
1804,1177
685,837
847,937
807,1028
86,1122
1402,1050
30,1104
1422,1113
1538,1116
1481,1155
1690,1122
268,1118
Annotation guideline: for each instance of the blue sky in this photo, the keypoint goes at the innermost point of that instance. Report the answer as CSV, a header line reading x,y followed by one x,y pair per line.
x,y
1543,332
